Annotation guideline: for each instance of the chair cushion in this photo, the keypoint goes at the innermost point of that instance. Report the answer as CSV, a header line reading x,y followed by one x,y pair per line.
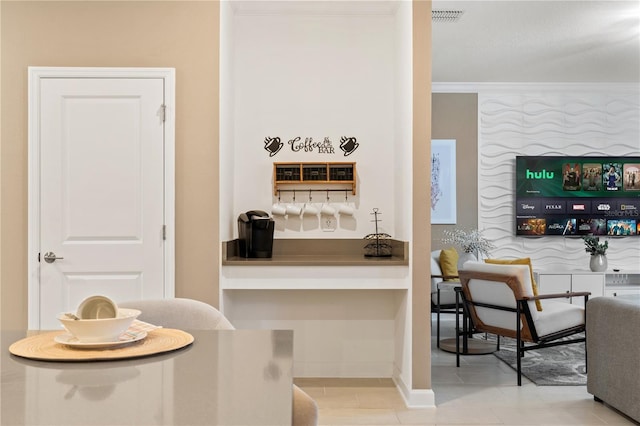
x,y
522,261
435,270
494,293
447,298
558,316
449,263
305,409
498,293
435,263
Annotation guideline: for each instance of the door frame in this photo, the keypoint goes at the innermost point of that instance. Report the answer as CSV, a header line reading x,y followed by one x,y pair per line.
x,y
35,75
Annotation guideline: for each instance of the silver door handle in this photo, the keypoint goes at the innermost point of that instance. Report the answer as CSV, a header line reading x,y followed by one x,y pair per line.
x,y
50,257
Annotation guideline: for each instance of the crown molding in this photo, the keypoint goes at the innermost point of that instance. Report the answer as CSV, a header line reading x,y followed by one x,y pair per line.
x,y
453,87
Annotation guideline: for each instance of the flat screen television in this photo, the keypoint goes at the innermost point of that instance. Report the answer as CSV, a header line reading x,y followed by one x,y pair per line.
x,y
574,196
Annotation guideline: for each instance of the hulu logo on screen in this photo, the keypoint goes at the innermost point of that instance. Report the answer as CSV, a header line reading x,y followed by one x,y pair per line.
x,y
539,175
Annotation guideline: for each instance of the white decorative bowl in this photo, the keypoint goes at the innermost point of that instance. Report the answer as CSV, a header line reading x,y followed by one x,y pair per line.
x,y
99,330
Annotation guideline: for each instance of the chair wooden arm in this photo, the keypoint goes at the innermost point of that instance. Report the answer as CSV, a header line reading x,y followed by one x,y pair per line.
x,y
558,295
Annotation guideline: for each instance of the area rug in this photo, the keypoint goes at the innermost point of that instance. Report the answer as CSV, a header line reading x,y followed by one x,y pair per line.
x,y
556,366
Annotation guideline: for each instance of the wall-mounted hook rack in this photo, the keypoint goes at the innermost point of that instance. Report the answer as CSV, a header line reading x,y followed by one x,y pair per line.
x,y
314,174
280,191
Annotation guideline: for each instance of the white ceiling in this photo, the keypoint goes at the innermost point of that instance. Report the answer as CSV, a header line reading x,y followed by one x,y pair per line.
x,y
511,40
538,41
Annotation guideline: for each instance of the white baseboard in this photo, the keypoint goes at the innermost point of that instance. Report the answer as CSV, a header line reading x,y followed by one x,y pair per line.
x,y
415,398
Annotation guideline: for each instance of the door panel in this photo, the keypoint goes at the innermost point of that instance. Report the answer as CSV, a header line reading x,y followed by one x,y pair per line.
x,y
102,191
106,156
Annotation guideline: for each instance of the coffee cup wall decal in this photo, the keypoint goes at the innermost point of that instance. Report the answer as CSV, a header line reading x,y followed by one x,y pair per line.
x,y
348,145
272,145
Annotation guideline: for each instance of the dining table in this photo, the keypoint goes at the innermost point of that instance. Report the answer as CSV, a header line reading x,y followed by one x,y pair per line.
x,y
221,377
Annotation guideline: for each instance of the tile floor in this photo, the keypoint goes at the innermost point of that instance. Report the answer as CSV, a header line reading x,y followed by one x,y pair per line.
x,y
482,391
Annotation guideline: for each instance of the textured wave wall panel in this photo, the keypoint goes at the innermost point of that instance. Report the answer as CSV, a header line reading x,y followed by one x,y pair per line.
x,y
539,123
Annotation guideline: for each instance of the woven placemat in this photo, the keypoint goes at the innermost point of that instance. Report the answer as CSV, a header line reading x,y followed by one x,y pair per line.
x,y
42,347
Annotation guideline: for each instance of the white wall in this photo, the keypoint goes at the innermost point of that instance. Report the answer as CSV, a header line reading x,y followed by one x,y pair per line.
x,y
314,75
330,72
403,119
403,180
550,120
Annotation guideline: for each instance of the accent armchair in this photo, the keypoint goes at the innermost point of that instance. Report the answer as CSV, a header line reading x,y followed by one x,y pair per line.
x,y
443,296
447,298
499,300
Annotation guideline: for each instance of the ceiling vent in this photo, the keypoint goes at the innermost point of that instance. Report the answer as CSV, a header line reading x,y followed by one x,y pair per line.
x,y
446,15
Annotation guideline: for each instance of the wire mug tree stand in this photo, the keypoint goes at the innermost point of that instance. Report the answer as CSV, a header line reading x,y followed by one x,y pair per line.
x,y
380,242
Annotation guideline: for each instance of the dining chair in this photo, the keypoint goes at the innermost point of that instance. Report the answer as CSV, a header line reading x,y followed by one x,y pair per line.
x,y
190,314
186,314
499,299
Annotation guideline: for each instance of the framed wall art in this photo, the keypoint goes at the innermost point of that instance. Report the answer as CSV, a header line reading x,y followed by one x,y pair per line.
x,y
443,181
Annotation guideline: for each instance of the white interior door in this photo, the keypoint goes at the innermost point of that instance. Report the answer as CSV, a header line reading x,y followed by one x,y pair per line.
x,y
102,192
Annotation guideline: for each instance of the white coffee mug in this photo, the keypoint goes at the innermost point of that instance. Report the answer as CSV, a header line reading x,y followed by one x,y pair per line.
x,y
346,209
97,307
327,210
278,210
310,210
293,210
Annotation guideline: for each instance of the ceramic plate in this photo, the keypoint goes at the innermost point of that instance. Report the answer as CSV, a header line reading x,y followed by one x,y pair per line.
x,y
69,340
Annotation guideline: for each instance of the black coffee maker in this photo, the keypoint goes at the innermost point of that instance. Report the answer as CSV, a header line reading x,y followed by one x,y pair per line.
x,y
255,234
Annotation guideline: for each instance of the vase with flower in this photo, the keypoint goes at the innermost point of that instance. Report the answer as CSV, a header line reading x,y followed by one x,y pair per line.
x,y
472,243
598,252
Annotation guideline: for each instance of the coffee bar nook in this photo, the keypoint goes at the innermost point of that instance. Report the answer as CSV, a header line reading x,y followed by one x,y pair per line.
x,y
345,298
328,167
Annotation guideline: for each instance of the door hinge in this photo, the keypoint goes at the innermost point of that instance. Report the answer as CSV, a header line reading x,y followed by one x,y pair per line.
x,y
163,112
164,232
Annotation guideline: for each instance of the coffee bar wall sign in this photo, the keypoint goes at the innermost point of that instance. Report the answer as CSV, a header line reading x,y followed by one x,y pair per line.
x,y
298,144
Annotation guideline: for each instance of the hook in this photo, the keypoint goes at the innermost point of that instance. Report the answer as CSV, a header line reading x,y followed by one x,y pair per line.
x,y
310,199
346,196
327,195
294,195
278,196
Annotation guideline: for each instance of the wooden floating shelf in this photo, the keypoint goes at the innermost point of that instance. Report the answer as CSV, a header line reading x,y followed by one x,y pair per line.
x,y
314,174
